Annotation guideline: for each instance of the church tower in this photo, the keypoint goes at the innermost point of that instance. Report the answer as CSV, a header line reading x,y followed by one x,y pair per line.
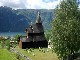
x,y
38,18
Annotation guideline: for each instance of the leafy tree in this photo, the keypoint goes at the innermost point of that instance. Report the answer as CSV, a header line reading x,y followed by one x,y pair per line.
x,y
7,43
16,38
48,34
66,29
2,40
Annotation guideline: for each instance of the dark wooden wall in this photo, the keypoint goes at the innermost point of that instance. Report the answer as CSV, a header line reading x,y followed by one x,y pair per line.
x,y
34,44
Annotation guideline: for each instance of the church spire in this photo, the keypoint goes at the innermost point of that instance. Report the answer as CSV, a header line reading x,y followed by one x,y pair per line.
x,y
38,18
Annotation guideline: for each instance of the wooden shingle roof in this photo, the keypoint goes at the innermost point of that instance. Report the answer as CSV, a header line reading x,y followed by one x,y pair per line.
x,y
39,38
26,38
37,29
29,30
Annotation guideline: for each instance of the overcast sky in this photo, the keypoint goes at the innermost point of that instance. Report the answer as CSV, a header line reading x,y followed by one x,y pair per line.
x,y
30,4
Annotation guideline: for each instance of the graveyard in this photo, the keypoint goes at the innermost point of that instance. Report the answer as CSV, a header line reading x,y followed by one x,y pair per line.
x,y
34,45
33,54
38,54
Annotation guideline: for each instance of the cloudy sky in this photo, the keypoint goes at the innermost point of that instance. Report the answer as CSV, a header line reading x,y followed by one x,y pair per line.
x,y
30,4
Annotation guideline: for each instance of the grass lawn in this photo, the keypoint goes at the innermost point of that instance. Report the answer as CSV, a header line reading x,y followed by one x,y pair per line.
x,y
39,55
6,55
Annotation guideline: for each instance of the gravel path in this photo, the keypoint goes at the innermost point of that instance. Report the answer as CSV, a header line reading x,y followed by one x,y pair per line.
x,y
23,56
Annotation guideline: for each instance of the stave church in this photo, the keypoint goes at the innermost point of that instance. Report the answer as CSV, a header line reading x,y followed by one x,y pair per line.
x,y
35,37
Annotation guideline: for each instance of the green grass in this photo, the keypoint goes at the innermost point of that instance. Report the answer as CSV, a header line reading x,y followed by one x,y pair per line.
x,y
39,55
6,55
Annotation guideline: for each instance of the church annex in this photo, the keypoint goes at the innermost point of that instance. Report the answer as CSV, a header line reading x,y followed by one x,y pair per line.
x,y
35,37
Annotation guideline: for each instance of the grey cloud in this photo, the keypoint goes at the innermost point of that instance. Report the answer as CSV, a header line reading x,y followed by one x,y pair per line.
x,y
30,4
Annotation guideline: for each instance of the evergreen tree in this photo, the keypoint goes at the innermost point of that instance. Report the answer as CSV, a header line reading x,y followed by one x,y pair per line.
x,y
66,28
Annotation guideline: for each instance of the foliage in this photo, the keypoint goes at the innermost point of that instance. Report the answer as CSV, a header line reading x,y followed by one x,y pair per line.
x,y
66,28
7,44
16,38
2,40
48,34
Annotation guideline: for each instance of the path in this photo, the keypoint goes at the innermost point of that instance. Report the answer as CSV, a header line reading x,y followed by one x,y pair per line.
x,y
23,56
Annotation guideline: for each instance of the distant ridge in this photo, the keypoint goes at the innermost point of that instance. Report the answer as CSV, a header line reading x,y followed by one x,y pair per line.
x,y
17,20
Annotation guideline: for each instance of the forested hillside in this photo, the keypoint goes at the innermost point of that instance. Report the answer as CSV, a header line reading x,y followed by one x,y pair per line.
x,y
17,20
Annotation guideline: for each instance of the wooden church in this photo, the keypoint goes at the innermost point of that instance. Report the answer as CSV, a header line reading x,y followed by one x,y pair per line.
x,y
35,37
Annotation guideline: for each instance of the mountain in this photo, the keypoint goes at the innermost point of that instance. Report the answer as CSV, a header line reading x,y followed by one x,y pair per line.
x,y
10,21
18,20
31,14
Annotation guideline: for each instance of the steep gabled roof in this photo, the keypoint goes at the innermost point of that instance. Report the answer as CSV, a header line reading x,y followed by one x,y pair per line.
x,y
40,27
23,38
39,38
29,30
26,39
37,28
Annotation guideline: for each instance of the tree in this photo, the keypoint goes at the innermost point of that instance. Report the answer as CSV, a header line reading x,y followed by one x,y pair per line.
x,y
2,40
7,43
16,38
66,28
48,34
